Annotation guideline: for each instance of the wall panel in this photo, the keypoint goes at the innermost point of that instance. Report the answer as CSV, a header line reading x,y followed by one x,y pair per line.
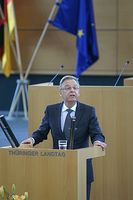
x,y
125,50
32,14
125,14
55,50
105,14
107,47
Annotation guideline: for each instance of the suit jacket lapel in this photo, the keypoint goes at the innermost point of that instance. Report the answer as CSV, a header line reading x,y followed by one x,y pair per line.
x,y
59,108
79,112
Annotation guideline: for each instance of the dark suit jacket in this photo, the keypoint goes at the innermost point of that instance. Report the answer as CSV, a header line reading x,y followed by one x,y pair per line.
x,y
86,126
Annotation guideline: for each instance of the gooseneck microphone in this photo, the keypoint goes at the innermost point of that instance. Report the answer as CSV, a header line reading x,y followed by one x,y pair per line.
x,y
72,129
125,65
60,69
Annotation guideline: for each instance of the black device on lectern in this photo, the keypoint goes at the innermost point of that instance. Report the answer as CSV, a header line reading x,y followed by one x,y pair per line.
x,y
8,132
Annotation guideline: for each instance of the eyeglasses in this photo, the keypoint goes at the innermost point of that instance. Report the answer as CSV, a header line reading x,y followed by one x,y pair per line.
x,y
70,88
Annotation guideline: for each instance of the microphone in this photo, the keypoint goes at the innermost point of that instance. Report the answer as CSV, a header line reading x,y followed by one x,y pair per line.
x,y
125,65
60,69
73,120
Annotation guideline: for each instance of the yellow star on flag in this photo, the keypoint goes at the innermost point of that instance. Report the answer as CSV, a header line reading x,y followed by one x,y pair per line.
x,y
80,33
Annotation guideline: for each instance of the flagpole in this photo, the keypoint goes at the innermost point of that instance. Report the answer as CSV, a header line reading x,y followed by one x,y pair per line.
x,y
41,38
17,46
20,83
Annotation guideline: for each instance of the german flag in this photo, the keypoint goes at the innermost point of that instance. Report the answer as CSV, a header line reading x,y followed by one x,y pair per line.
x,y
7,35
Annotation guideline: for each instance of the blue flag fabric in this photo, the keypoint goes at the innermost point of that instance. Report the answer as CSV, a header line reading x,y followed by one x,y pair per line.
x,y
77,17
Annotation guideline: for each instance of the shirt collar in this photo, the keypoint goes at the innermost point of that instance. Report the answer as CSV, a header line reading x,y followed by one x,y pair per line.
x,y
64,107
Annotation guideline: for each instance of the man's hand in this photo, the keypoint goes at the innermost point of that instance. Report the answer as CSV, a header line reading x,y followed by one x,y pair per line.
x,y
101,144
28,143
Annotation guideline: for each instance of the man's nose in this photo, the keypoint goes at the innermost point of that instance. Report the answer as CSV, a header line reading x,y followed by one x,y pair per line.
x,y
72,89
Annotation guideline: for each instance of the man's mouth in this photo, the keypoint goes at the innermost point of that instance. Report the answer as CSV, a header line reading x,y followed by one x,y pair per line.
x,y
72,95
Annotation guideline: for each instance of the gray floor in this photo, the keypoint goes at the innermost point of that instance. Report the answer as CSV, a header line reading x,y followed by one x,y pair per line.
x,y
19,126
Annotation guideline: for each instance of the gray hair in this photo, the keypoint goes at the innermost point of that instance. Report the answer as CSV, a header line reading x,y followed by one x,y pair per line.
x,y
68,77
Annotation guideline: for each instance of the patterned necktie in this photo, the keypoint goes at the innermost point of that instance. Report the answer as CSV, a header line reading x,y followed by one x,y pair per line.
x,y
67,124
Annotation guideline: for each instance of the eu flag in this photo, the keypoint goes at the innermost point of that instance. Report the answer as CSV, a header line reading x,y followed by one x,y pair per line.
x,y
77,17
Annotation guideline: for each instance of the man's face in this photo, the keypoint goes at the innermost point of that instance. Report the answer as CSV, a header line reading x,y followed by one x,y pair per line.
x,y
69,91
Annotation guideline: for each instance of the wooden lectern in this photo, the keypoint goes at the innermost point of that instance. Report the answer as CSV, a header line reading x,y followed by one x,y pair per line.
x,y
47,174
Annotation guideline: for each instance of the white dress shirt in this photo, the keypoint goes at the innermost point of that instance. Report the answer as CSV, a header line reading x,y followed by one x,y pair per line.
x,y
64,113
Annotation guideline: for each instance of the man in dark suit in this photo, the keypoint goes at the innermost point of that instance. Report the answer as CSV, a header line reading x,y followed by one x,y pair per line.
x,y
86,124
